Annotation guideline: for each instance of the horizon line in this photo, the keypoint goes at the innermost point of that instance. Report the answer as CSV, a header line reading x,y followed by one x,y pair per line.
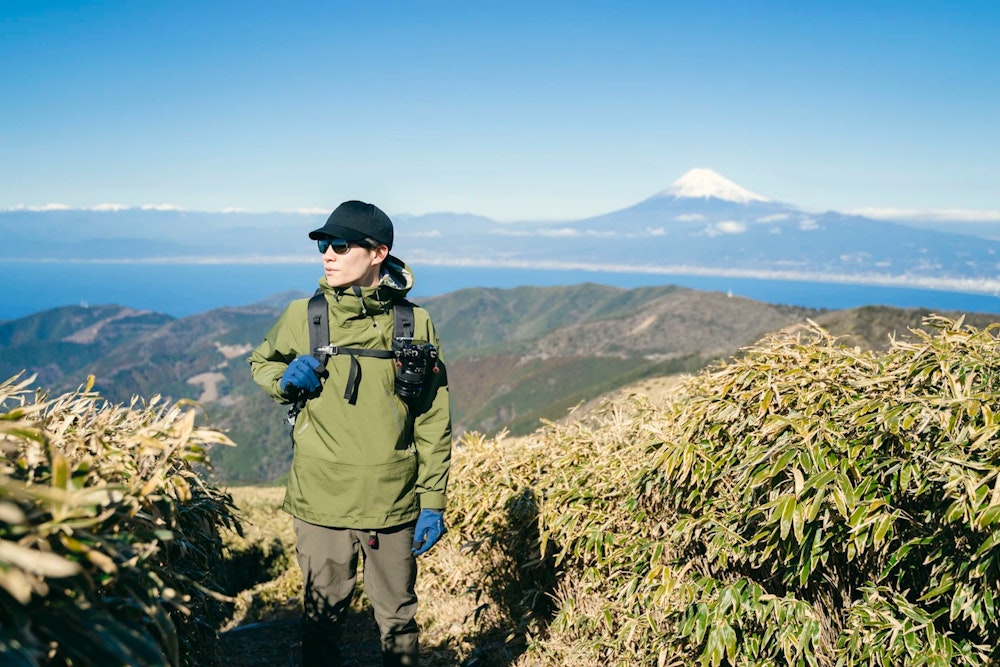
x,y
980,286
886,213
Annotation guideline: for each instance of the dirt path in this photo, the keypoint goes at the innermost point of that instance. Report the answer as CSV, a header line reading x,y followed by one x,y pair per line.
x,y
276,644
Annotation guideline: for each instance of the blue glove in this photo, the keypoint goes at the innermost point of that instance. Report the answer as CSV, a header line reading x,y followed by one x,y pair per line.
x,y
301,376
430,528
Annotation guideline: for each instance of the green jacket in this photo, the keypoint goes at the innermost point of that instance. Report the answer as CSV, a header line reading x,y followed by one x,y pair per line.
x,y
377,463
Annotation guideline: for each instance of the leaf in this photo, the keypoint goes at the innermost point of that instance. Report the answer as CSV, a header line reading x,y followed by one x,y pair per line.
x,y
785,510
849,493
102,560
816,505
882,527
181,488
798,522
988,517
820,480
955,512
60,472
715,648
728,636
42,563
11,513
18,584
799,481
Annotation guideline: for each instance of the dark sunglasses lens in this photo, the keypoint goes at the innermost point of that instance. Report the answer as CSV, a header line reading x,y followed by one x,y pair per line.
x,y
340,246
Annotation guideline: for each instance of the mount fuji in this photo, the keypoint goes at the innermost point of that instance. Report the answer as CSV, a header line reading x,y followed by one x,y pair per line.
x,y
707,184
701,224
705,224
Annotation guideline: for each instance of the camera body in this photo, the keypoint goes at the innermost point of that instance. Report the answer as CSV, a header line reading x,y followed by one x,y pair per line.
x,y
414,363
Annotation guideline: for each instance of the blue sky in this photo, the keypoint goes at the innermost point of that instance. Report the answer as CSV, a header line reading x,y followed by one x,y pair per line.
x,y
515,110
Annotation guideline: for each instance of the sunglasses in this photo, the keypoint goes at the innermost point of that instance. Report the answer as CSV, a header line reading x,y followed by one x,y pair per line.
x,y
340,246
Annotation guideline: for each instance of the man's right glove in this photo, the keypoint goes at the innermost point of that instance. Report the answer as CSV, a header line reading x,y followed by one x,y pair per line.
x,y
301,377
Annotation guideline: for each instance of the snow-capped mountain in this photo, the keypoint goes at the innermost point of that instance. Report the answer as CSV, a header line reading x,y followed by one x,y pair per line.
x,y
702,223
705,224
707,184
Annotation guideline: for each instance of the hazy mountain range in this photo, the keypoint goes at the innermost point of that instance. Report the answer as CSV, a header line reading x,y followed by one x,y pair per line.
x,y
701,224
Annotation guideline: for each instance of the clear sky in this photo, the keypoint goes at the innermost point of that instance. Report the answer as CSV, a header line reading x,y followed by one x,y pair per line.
x,y
515,110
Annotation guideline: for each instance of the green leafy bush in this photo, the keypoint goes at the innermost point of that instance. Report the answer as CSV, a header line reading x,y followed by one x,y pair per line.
x,y
804,504
110,542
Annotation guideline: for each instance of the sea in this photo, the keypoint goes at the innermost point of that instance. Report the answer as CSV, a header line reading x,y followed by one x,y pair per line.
x,y
185,289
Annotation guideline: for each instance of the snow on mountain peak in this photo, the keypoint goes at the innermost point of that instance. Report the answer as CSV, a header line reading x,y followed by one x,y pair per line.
x,y
705,183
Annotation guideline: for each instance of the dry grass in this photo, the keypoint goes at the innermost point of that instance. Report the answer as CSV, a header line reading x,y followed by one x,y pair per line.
x,y
707,524
268,546
806,504
110,539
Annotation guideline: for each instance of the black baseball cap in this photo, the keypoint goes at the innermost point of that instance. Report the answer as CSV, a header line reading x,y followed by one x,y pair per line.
x,y
356,221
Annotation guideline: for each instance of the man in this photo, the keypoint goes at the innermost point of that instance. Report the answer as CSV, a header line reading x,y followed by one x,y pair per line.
x,y
370,468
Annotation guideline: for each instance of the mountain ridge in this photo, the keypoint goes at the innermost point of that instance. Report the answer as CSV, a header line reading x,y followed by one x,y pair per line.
x,y
514,356
715,227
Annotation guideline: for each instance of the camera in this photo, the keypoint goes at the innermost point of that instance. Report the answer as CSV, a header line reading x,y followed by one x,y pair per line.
x,y
414,363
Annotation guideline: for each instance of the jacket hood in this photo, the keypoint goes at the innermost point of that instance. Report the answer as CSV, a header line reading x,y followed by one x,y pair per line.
x,y
394,284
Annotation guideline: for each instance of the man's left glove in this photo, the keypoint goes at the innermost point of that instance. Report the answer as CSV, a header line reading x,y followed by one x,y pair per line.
x,y
430,528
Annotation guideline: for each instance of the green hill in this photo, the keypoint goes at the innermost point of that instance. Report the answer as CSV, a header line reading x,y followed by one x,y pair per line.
x,y
514,356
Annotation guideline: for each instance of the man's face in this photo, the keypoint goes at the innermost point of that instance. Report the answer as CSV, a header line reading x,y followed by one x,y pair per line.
x,y
355,265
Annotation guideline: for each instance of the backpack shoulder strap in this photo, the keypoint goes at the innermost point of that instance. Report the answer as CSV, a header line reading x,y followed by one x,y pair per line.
x,y
403,326
319,325
319,337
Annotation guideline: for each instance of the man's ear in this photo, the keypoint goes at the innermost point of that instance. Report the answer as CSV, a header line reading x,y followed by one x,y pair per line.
x,y
381,253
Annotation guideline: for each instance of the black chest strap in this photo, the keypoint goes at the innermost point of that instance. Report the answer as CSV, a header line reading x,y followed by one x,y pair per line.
x,y
319,339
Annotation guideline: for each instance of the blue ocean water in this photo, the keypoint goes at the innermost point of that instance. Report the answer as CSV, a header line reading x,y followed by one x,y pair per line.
x,y
185,289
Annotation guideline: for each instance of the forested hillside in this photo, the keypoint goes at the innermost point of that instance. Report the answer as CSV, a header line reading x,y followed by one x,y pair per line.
x,y
515,357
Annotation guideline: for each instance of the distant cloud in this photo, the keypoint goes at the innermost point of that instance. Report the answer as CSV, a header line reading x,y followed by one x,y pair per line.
x,y
808,224
955,215
777,217
725,227
113,207
731,227
43,207
559,233
690,217
430,233
856,258
569,232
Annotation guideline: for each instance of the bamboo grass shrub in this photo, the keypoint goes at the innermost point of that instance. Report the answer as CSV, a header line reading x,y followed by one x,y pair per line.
x,y
804,504
111,546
